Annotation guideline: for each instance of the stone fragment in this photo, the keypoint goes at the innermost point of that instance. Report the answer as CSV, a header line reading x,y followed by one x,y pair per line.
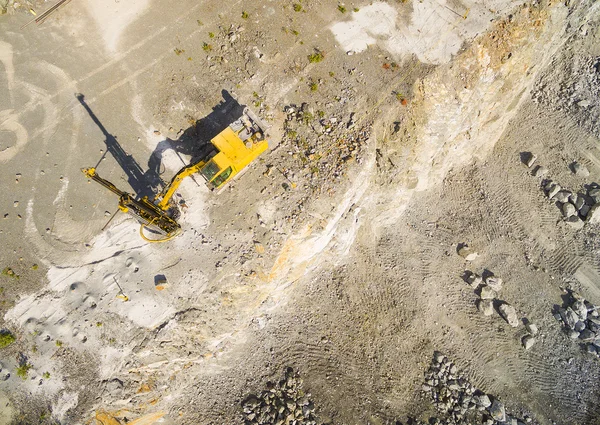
x,y
568,209
573,334
509,314
590,348
580,309
487,293
580,169
587,336
474,280
528,341
553,190
494,282
585,210
532,328
575,222
579,326
594,194
497,411
578,200
569,317
562,196
467,253
594,215
486,307
160,282
482,400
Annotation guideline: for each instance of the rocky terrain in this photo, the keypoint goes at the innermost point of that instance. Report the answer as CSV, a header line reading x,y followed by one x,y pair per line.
x,y
419,245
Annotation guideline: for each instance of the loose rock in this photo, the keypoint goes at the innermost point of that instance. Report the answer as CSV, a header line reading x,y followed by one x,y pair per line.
x,y
487,293
497,411
486,306
528,341
579,169
562,196
568,209
467,253
509,314
494,282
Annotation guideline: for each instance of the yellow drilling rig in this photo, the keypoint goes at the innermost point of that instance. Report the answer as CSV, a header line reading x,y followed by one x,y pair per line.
x,y
234,149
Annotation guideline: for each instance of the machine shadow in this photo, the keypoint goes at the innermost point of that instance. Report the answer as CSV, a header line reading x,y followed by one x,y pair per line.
x,y
195,142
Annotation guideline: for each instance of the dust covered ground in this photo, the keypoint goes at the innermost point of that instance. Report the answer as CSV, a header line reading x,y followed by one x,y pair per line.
x,y
400,131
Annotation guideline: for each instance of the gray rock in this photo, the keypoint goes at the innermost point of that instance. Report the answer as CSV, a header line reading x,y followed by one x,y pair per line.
x,y
532,328
575,222
573,334
580,309
553,190
580,169
587,336
486,307
568,209
482,400
528,341
569,317
474,280
562,196
578,200
487,293
590,348
585,210
497,411
494,282
509,314
4,375
579,326
594,215
594,194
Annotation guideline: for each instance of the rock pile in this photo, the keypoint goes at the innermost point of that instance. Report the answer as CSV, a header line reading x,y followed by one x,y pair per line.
x,y
576,208
456,397
281,403
581,320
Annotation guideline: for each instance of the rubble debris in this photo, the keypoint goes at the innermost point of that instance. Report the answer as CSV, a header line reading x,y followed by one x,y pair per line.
x,y
581,323
283,402
160,282
474,280
456,398
494,282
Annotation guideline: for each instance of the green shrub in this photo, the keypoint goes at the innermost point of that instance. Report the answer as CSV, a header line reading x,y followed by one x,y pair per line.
x,y
316,57
23,370
6,338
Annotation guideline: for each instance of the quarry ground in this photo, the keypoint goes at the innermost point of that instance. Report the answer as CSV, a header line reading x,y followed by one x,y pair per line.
x,y
397,134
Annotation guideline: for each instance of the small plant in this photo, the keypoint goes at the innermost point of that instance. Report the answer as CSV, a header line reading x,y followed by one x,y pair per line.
x,y
23,370
98,324
314,86
316,57
6,338
178,51
211,35
34,267
10,273
295,32
199,22
331,73
320,113
206,47
297,7
59,343
356,9
291,134
245,15
399,95
341,8
34,349
46,375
